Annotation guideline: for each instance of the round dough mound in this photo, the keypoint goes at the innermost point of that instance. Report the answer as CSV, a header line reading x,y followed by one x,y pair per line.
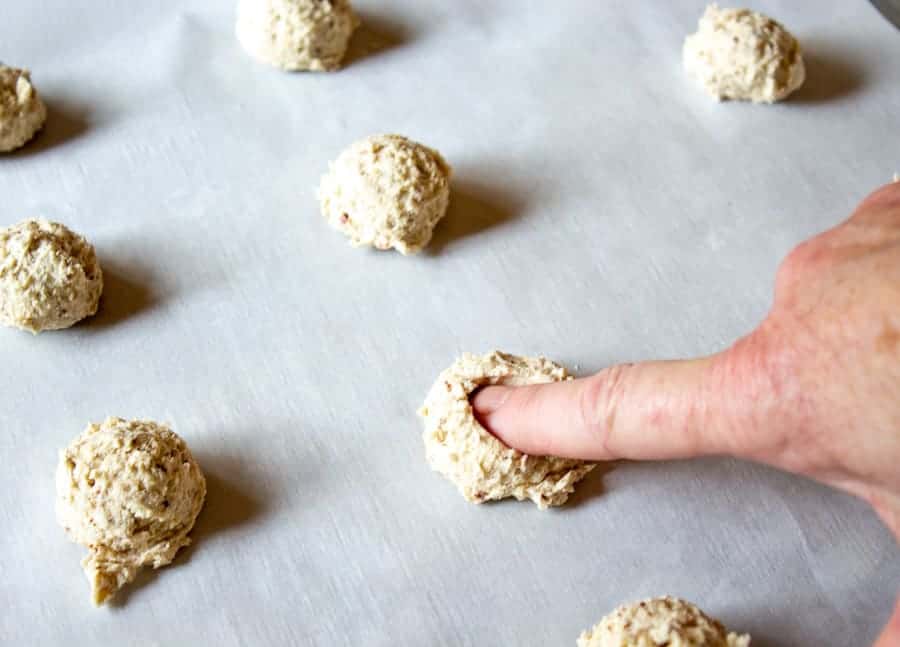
x,y
386,191
49,276
660,621
744,55
296,34
482,467
130,492
22,113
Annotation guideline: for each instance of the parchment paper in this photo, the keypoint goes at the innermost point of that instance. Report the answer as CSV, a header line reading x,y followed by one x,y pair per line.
x,y
604,210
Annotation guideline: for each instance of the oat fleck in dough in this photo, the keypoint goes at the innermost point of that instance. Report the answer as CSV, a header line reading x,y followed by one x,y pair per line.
x,y
49,276
386,191
22,112
296,35
744,55
660,621
482,467
129,491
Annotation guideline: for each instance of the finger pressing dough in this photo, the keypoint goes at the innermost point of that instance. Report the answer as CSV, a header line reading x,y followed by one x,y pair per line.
x,y
22,113
49,276
386,191
745,55
296,35
129,491
482,467
660,621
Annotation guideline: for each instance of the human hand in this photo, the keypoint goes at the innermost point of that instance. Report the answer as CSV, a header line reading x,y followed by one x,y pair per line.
x,y
815,389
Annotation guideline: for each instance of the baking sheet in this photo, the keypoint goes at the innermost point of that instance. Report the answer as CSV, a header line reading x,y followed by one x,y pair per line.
x,y
604,210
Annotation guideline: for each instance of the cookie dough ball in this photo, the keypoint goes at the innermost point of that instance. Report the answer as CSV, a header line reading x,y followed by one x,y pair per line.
x,y
296,34
49,276
482,467
22,113
386,191
660,621
129,491
744,55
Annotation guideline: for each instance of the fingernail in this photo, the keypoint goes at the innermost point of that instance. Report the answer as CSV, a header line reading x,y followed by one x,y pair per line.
x,y
490,398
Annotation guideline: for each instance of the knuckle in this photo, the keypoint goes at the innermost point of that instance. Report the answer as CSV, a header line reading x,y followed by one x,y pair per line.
x,y
796,261
761,374
800,265
886,196
600,401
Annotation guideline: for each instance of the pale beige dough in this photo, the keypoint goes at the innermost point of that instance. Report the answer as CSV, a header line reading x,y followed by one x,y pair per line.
x,y
660,621
386,191
129,491
744,55
22,112
49,276
296,35
482,467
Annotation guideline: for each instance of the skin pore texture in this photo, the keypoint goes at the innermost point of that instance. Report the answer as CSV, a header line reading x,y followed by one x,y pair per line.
x,y
813,390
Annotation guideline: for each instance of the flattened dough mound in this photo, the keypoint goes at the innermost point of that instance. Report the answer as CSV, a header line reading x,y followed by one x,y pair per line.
x,y
49,276
296,35
482,467
129,491
660,621
386,191
22,112
745,55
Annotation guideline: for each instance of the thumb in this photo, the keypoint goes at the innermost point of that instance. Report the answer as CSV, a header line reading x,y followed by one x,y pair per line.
x,y
647,411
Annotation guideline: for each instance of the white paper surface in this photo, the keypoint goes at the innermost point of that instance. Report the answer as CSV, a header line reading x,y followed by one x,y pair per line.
x,y
604,210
